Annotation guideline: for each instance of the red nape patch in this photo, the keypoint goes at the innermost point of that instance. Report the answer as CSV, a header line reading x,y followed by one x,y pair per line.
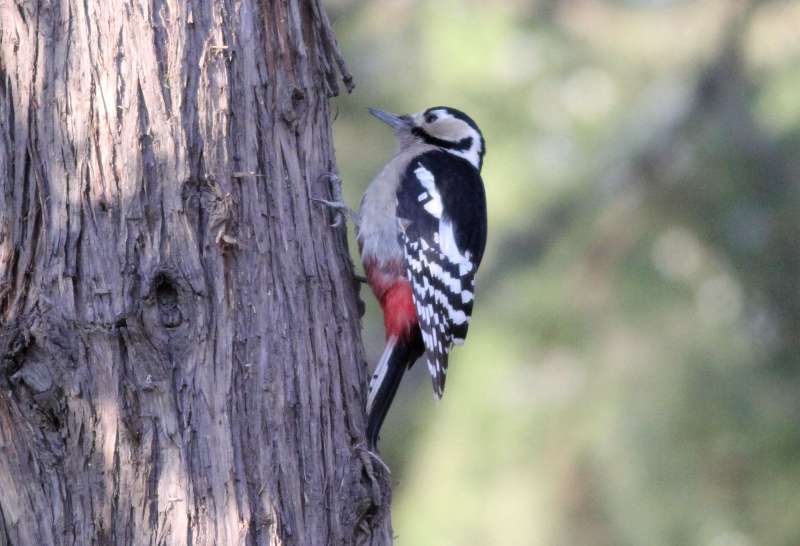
x,y
399,313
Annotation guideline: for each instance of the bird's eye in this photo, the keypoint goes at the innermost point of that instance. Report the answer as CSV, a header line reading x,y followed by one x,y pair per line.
x,y
430,117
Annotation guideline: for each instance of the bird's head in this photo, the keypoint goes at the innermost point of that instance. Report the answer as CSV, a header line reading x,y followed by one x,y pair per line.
x,y
442,126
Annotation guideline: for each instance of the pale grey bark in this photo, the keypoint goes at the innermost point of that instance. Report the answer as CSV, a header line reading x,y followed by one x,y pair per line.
x,y
180,354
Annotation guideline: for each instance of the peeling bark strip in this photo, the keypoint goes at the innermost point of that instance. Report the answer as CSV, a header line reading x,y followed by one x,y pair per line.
x,y
180,355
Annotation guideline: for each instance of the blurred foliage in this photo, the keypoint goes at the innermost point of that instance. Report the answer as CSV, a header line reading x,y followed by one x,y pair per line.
x,y
631,375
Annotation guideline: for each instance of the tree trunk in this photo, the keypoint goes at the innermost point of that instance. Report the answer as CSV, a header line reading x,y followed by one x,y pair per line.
x,y
180,356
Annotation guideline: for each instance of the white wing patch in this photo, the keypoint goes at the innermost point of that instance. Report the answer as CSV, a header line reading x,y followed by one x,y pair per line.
x,y
434,206
441,271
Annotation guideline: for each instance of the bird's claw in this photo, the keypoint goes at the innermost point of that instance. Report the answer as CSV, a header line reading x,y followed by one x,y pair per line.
x,y
340,209
337,203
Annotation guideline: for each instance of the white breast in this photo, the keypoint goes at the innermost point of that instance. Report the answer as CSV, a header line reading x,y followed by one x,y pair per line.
x,y
377,232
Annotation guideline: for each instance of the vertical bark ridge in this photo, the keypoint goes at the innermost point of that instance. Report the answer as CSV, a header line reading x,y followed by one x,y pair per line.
x,y
181,356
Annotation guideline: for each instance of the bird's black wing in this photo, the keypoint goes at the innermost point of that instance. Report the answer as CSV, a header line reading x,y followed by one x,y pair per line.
x,y
441,206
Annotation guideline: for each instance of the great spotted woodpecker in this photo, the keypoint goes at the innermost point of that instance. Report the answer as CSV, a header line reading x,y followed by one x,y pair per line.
x,y
421,232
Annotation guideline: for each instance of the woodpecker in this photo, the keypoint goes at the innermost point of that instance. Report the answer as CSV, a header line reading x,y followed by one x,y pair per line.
x,y
421,231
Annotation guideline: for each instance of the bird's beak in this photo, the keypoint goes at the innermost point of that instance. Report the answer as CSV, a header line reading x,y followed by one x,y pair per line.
x,y
398,123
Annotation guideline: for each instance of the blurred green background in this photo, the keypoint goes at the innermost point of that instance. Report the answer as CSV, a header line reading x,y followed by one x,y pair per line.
x,y
632,373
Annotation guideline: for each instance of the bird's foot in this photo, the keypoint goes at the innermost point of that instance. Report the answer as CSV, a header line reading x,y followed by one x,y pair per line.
x,y
367,457
340,208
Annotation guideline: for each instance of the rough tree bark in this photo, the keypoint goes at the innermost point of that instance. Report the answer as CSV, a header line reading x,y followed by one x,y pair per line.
x,y
180,355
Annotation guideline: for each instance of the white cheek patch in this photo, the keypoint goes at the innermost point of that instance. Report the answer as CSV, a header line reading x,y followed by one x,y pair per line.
x,y
453,130
449,128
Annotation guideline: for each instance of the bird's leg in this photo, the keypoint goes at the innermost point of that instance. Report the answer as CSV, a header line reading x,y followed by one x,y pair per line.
x,y
341,210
